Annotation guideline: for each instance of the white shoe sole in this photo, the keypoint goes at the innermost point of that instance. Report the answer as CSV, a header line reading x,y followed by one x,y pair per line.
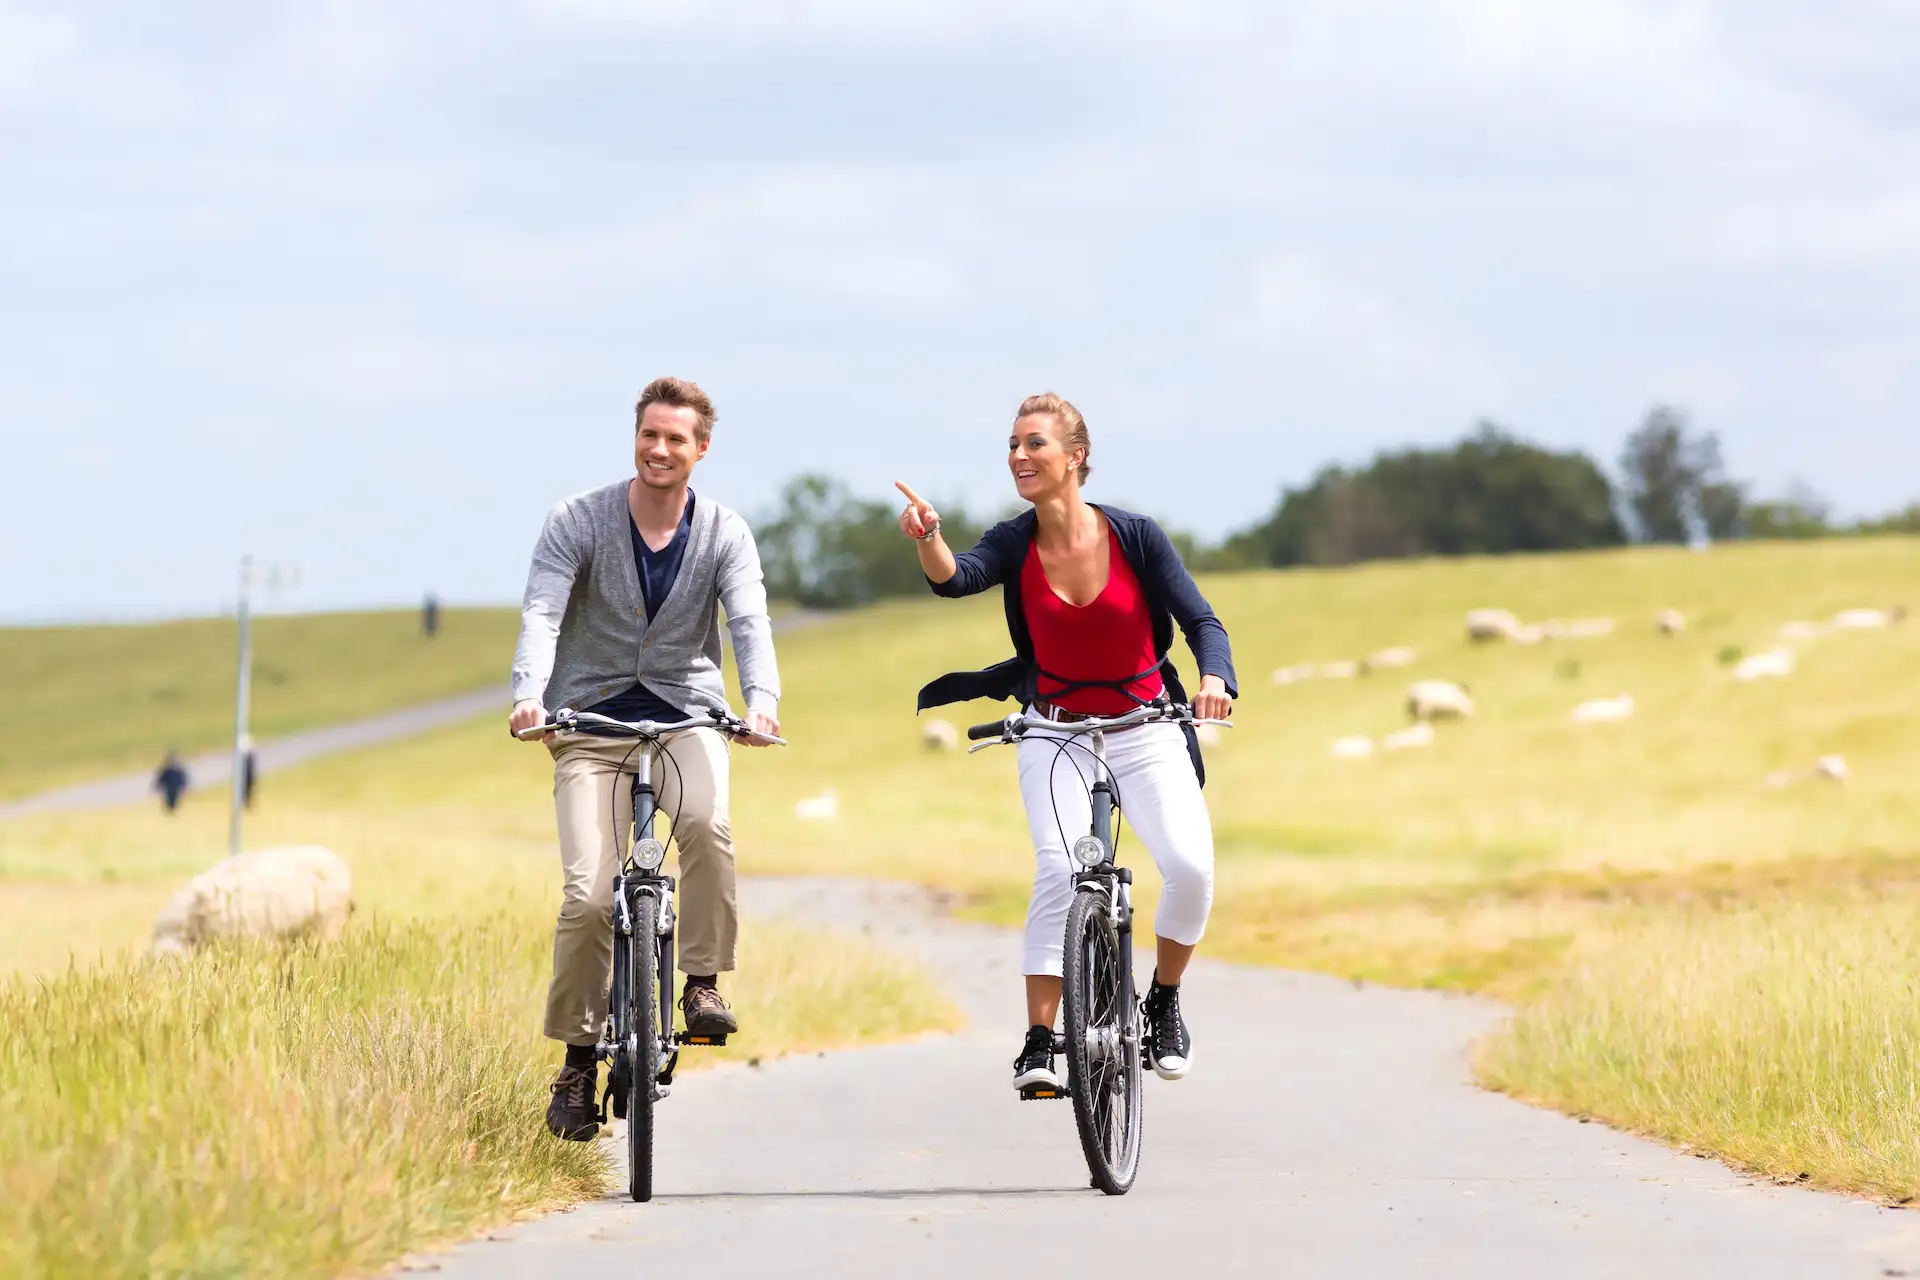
x,y
1175,1073
1039,1076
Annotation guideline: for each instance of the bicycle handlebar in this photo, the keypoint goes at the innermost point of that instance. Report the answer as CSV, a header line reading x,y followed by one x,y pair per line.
x,y
567,720
1014,727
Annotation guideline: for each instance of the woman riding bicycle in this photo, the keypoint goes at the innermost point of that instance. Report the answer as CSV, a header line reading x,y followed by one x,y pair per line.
x,y
1091,597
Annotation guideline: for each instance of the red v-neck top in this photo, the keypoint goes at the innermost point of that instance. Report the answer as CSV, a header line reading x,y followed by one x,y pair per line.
x,y
1109,639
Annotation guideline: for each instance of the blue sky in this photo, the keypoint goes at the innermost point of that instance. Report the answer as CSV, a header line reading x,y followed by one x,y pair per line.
x,y
364,288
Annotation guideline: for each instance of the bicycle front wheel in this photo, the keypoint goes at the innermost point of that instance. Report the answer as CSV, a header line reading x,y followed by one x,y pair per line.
x,y
1103,1049
643,1044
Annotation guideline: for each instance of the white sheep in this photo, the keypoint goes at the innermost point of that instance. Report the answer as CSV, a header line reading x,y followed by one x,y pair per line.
x,y
939,735
1671,622
1438,700
1772,664
1491,624
290,891
1339,670
1414,735
1396,656
1832,768
821,808
1800,630
1604,710
1588,628
1353,748
1860,620
1297,672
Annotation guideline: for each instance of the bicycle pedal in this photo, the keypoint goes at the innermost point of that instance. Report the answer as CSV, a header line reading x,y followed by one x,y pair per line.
x,y
713,1042
1042,1093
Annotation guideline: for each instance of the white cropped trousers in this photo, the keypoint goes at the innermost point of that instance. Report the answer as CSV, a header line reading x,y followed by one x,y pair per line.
x,y
1160,799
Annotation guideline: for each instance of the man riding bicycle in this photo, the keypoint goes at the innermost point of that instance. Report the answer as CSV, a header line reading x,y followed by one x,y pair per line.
x,y
620,617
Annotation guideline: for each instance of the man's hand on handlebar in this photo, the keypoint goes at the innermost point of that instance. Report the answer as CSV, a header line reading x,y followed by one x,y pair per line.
x,y
763,724
526,714
1212,702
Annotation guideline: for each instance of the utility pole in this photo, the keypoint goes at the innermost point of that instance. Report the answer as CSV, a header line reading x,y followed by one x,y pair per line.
x,y
274,576
240,708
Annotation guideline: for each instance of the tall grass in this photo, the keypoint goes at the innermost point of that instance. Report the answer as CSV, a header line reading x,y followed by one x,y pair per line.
x,y
1785,1037
301,1110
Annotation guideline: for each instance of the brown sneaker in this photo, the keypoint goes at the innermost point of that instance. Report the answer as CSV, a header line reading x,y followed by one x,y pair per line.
x,y
573,1114
706,1013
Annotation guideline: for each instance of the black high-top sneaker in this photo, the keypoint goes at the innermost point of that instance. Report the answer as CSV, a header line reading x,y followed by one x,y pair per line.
x,y
1169,1044
1034,1066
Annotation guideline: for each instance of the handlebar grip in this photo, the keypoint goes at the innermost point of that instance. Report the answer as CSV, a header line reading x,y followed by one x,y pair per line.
x,y
991,730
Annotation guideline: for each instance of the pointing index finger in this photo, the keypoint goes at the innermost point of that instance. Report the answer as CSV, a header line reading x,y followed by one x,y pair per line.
x,y
918,501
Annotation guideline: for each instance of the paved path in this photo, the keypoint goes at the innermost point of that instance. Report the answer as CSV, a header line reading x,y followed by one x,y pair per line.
x,y
1327,1130
215,768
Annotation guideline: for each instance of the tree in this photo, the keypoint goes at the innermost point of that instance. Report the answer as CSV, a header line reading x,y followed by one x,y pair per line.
x,y
827,549
1802,513
1673,482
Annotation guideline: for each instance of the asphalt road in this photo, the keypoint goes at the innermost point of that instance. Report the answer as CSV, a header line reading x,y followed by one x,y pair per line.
x,y
1326,1130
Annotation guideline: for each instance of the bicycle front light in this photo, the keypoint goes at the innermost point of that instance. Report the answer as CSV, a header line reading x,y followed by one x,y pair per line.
x,y
648,854
1089,852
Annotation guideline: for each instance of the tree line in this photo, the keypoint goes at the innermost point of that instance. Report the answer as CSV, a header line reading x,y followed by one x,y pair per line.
x,y
1490,493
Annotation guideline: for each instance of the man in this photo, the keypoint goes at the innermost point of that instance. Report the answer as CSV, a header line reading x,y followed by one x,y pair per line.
x,y
620,617
171,781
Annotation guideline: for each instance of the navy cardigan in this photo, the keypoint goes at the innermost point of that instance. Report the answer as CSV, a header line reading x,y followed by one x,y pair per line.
x,y
1171,597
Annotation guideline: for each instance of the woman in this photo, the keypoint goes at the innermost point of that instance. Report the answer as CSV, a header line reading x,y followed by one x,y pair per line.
x,y
1091,597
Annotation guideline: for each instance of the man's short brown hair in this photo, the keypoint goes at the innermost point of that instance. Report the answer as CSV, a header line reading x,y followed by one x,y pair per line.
x,y
680,394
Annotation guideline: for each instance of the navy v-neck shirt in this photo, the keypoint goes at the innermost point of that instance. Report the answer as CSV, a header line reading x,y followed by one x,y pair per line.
x,y
657,570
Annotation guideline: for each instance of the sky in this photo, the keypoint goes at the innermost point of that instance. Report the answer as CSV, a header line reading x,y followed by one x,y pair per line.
x,y
362,289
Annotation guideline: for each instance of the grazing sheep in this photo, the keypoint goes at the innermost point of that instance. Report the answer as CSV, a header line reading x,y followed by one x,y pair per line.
x,y
1414,735
1491,624
1588,628
1832,768
1772,664
939,735
1299,671
1397,656
1354,748
285,892
1671,622
1438,700
1801,630
821,808
1604,710
1339,670
1528,635
1860,620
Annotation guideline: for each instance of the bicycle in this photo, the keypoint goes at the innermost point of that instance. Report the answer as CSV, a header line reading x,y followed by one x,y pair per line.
x,y
638,1042
1103,1037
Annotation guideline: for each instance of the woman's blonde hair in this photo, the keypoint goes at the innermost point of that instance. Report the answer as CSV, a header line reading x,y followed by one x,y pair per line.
x,y
1073,427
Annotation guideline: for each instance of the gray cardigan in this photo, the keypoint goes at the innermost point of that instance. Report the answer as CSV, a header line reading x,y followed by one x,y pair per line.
x,y
584,634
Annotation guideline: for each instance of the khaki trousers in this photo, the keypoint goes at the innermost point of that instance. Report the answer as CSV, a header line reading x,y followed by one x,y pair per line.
x,y
593,799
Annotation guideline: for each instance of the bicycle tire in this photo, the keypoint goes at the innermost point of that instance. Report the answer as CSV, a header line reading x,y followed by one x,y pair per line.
x,y
643,1028
1103,1051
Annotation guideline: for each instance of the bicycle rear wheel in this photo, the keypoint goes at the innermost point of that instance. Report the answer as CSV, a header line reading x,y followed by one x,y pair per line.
x,y
1103,1051
643,1052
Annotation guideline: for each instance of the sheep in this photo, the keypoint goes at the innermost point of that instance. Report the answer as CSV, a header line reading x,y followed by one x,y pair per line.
x,y
1604,710
1671,622
1491,624
1528,635
1353,748
1397,656
1832,768
1801,630
1760,666
821,808
1860,620
289,891
939,735
1299,671
1339,670
1414,735
1588,628
1438,700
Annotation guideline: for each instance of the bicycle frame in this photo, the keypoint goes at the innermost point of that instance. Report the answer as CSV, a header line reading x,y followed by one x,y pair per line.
x,y
632,880
1112,881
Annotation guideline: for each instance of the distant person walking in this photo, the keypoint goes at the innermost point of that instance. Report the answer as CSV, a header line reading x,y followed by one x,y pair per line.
x,y
430,616
249,769
171,782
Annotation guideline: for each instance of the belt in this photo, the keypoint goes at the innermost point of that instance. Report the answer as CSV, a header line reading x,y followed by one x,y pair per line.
x,y
1060,715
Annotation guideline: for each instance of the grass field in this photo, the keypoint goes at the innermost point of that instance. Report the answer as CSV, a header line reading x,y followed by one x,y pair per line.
x,y
104,700
1506,858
